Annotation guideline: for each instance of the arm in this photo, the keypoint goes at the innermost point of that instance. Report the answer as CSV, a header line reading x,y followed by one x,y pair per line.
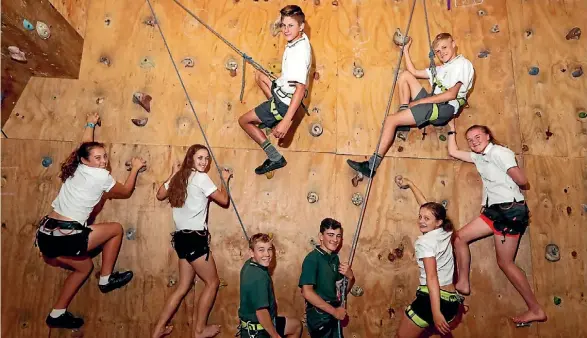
x,y
264,319
453,149
220,196
517,174
162,192
92,118
404,183
123,191
312,297
418,73
346,271
448,95
434,290
281,129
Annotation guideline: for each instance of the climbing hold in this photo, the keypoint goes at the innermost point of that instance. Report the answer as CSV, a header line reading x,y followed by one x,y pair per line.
x,y
231,65
577,72
16,54
358,178
105,60
335,3
223,283
574,34
399,39
483,54
99,100
128,166
574,254
270,235
316,129
316,76
495,28
270,174
43,30
391,257
142,99
444,203
442,138
172,281
312,197
150,21
582,115
358,72
557,300
316,110
275,26
402,134
529,33
481,12
399,251
533,70
47,161
584,206
313,243
399,180
131,234
357,291
3,183
548,133
525,148
569,211
552,253
140,122
539,114
107,22
400,149
27,25
146,62
187,62
316,2
357,199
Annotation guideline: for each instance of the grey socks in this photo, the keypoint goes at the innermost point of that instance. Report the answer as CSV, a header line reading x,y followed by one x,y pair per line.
x,y
375,161
271,151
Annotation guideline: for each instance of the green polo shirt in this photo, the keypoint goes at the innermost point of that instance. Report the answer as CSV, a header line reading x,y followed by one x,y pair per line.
x,y
256,292
320,269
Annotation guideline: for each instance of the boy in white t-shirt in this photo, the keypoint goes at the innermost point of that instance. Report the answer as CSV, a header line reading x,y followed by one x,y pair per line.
x,y
453,80
285,94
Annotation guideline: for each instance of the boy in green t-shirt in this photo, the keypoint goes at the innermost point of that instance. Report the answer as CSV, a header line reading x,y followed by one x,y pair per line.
x,y
322,274
258,310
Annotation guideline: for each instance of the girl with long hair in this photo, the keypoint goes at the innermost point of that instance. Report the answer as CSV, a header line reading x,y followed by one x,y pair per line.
x,y
64,236
189,190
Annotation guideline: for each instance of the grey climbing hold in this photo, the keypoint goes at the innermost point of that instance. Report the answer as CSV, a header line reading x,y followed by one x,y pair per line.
x,y
483,54
312,197
16,54
231,65
533,70
574,34
172,281
399,39
147,62
577,71
150,21
47,161
552,253
481,12
313,243
187,62
357,199
140,122
27,25
495,28
444,203
316,129
99,100
358,72
128,166
43,30
131,234
105,60
357,291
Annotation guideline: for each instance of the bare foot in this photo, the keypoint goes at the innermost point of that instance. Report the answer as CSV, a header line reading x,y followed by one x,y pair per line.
x,y
464,288
208,332
530,316
162,333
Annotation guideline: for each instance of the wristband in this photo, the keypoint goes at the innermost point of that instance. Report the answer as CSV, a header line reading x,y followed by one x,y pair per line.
x,y
91,125
452,133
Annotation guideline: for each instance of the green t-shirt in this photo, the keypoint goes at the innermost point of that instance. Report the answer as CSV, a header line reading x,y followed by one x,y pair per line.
x,y
256,292
320,269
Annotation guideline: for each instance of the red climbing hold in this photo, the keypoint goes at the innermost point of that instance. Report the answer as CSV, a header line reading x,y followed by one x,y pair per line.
x,y
574,34
142,99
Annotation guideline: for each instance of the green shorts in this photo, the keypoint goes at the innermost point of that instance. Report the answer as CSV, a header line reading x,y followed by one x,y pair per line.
x,y
271,111
420,311
436,114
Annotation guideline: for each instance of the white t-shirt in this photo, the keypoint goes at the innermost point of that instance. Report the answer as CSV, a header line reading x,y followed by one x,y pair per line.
x,y
80,193
459,69
192,216
493,165
295,66
436,243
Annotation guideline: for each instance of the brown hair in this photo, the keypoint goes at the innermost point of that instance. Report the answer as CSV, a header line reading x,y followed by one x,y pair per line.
x,y
178,187
439,213
256,238
69,167
485,130
440,37
293,11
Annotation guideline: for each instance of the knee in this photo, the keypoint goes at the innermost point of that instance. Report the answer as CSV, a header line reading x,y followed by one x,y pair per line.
x,y
213,283
117,229
504,263
87,267
404,76
242,120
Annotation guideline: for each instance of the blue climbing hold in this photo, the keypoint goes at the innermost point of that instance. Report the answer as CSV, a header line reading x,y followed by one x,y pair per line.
x,y
27,25
47,161
533,70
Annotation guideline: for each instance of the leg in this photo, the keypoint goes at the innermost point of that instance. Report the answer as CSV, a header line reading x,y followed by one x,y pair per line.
x,y
264,83
249,122
82,267
401,118
407,328
206,270
409,87
186,276
293,327
505,253
110,236
470,232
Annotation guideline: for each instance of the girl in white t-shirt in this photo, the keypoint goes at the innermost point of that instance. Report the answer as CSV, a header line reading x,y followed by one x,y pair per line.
x,y
64,236
437,302
505,214
189,190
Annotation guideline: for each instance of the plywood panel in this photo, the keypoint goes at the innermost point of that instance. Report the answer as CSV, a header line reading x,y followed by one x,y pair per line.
x,y
75,12
550,101
557,204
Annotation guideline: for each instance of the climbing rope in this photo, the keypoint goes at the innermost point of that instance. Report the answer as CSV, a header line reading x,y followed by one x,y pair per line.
x,y
431,52
368,190
198,120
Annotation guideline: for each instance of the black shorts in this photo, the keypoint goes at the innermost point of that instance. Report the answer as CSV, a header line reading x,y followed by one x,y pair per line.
x,y
58,243
279,324
321,324
437,114
272,111
507,219
420,311
191,244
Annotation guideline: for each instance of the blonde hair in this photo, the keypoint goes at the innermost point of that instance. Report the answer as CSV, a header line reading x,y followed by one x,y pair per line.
x,y
440,37
256,238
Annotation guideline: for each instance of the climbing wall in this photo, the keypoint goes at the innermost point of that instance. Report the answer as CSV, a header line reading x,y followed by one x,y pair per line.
x,y
540,113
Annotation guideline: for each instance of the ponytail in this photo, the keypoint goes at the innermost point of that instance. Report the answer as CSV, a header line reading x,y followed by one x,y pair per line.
x,y
70,165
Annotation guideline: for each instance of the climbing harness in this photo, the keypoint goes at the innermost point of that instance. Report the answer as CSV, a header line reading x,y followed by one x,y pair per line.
x,y
251,328
198,120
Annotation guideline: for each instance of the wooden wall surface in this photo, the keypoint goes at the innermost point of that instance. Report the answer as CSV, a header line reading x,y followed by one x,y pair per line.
x,y
48,119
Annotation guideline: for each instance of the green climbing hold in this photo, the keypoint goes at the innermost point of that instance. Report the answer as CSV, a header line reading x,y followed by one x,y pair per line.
x,y
557,300
442,138
583,114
